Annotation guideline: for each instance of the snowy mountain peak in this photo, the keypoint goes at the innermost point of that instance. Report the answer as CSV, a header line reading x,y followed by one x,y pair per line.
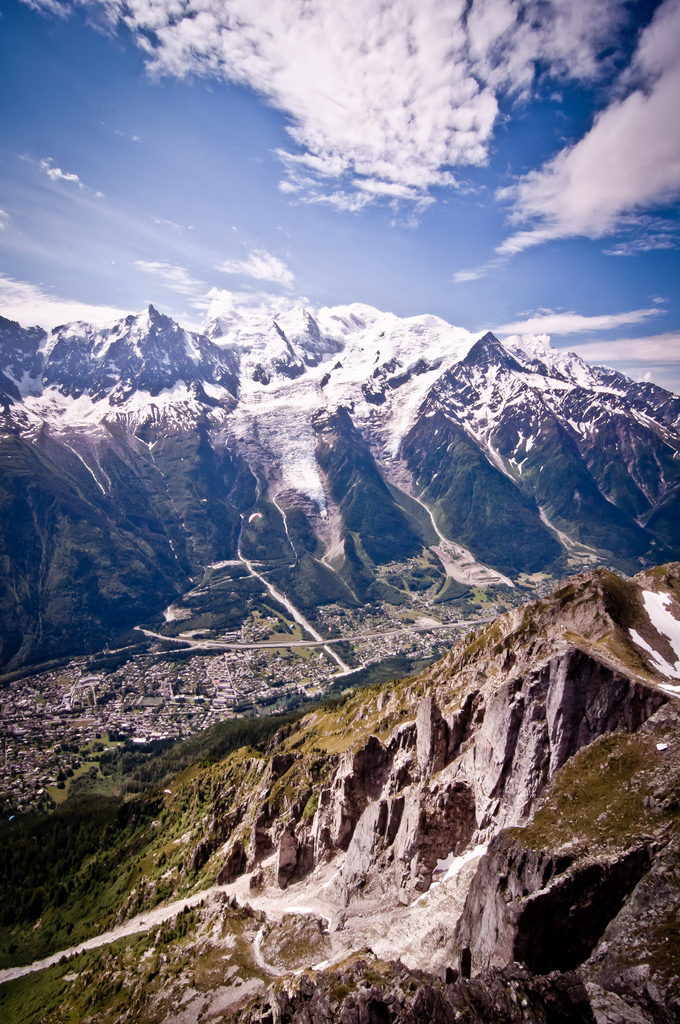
x,y
537,355
20,356
360,437
489,351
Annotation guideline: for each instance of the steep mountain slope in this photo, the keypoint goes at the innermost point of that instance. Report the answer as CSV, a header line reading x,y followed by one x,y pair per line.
x,y
360,438
496,839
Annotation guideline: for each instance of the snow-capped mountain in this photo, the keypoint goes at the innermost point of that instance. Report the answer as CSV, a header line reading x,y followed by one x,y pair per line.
x,y
133,457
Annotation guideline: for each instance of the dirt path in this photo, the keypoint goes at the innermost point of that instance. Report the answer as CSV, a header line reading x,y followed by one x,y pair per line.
x,y
135,925
301,898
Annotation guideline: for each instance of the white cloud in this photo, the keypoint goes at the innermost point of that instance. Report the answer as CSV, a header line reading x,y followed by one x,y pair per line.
x,y
57,7
575,323
470,275
30,305
222,302
210,302
4,217
56,173
341,200
653,350
394,93
651,233
655,357
173,276
474,273
628,161
262,266
126,135
177,228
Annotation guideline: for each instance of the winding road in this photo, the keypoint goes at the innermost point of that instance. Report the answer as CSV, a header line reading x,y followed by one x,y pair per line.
x,y
239,645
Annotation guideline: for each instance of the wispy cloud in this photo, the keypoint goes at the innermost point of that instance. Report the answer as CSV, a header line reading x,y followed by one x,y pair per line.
x,y
56,174
653,357
29,304
628,161
4,220
260,265
223,302
461,276
177,228
391,94
173,276
57,7
656,349
475,273
648,233
127,135
575,323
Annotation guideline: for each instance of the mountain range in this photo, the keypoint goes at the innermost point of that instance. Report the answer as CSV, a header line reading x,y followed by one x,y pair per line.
x,y
322,452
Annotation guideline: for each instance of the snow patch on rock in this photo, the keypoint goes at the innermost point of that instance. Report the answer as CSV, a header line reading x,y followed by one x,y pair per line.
x,y
668,626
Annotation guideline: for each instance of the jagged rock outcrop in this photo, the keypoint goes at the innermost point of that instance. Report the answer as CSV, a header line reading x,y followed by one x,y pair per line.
x,y
221,827
432,737
234,865
592,882
537,719
368,991
286,858
359,780
438,819
491,760
295,854
546,737
540,909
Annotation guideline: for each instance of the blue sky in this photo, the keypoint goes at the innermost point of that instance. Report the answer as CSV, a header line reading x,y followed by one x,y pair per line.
x,y
515,167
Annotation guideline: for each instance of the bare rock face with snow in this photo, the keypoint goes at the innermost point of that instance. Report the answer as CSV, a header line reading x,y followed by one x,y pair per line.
x,y
360,439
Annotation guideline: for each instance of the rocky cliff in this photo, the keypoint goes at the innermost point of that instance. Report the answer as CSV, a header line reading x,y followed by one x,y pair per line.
x,y
515,801
494,721
497,838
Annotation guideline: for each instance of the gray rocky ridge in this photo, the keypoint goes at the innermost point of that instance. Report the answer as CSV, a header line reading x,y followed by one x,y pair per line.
x,y
494,839
527,769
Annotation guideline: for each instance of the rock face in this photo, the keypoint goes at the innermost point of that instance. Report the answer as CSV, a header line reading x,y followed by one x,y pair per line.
x,y
234,865
538,719
539,762
432,736
535,908
496,720
286,858
425,792
395,995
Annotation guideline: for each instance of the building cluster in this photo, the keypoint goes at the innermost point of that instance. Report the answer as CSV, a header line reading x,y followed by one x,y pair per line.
x,y
55,724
